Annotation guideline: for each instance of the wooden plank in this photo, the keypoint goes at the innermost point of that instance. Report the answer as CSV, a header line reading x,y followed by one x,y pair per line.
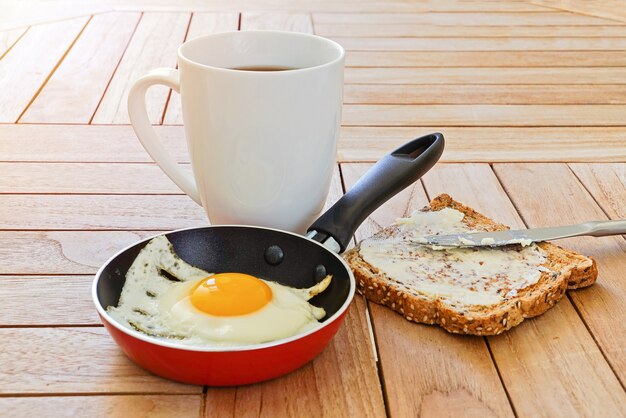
x,y
88,212
73,360
390,30
17,14
87,178
75,89
74,143
8,38
61,252
608,9
487,144
564,372
563,200
485,58
481,44
26,67
154,44
484,115
455,375
201,24
496,75
208,23
593,390
607,185
19,304
497,18
292,22
115,406
328,5
484,93
99,212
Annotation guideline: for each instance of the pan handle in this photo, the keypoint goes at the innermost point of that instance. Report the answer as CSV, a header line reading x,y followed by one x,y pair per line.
x,y
393,173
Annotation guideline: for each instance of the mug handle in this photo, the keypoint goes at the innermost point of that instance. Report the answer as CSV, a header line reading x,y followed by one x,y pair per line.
x,y
146,133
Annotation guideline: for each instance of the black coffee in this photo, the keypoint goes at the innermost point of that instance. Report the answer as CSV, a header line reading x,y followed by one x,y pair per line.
x,y
263,68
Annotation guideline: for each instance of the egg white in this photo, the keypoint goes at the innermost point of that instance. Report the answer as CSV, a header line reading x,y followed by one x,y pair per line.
x,y
160,307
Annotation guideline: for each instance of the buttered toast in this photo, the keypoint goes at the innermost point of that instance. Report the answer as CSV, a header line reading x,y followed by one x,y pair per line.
x,y
479,291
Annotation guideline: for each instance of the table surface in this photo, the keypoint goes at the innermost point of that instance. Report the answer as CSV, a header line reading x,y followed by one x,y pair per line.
x,y
531,97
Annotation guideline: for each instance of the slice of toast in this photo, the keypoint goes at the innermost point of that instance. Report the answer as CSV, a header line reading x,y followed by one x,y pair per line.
x,y
560,270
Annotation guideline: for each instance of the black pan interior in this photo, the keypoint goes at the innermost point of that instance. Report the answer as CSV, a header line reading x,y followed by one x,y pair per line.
x,y
241,249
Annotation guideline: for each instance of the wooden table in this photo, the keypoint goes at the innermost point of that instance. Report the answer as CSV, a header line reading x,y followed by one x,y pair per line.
x,y
531,97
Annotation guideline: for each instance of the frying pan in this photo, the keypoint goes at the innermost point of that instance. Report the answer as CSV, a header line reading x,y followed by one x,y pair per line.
x,y
284,257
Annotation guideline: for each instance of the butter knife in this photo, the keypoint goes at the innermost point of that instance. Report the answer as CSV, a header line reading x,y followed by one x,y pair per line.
x,y
526,236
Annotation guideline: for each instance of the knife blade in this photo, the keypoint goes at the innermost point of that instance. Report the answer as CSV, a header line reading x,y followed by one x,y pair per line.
x,y
526,236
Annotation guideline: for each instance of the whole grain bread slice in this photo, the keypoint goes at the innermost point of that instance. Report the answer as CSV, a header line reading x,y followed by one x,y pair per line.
x,y
567,270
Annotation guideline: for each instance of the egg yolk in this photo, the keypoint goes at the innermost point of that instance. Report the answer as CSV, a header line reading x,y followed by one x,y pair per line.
x,y
230,294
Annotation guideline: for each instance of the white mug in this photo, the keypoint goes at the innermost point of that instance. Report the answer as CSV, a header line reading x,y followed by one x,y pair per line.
x,y
262,144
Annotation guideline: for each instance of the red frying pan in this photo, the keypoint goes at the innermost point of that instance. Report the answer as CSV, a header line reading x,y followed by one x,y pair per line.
x,y
270,254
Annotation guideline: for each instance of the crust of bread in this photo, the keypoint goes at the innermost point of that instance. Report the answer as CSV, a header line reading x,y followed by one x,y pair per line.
x,y
569,270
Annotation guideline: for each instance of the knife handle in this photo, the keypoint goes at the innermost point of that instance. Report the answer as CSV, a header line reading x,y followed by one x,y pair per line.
x,y
606,228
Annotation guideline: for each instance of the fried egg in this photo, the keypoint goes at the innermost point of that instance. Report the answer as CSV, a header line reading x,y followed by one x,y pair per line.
x,y
166,298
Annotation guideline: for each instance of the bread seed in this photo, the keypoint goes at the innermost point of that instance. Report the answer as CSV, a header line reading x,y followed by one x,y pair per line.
x,y
412,307
425,319
518,304
504,321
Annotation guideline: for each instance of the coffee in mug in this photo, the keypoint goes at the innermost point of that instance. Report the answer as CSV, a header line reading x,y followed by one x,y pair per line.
x,y
263,68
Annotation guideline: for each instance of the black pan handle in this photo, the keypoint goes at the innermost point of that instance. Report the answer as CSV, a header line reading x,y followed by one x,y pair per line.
x,y
390,175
